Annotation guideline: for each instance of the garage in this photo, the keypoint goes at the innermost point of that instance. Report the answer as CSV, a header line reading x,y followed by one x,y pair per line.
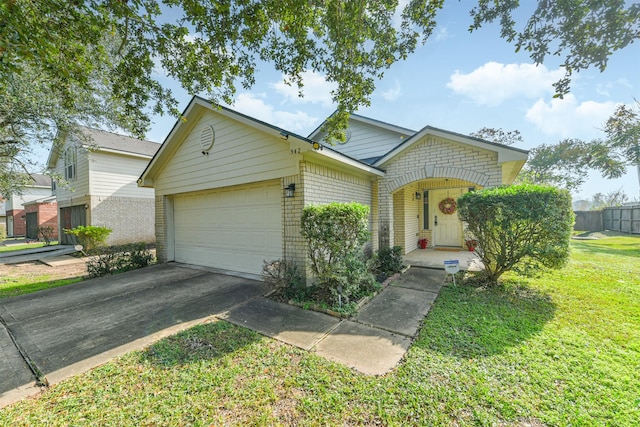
x,y
234,228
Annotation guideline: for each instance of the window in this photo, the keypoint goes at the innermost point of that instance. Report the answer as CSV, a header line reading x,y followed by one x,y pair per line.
x,y
54,186
425,211
70,160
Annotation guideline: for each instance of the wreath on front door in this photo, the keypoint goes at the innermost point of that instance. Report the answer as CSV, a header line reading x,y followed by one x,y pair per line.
x,y
447,206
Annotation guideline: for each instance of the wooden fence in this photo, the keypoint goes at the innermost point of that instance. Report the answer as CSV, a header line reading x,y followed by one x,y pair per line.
x,y
625,219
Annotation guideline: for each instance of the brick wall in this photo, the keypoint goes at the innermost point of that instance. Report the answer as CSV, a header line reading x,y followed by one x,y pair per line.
x,y
431,160
161,228
47,215
319,184
131,219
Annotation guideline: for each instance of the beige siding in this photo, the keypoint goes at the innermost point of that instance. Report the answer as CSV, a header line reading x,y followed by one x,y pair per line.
x,y
239,155
116,175
75,189
16,201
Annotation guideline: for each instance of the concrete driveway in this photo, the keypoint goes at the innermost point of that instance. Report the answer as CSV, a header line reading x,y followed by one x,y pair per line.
x,y
52,334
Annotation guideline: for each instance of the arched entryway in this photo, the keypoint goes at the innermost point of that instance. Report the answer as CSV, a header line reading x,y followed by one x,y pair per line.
x,y
417,214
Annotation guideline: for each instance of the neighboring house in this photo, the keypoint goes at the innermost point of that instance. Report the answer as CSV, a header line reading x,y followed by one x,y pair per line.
x,y
230,189
100,188
15,204
3,218
41,213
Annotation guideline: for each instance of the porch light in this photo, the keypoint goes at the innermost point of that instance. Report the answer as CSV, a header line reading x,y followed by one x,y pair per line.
x,y
284,136
418,195
289,190
316,146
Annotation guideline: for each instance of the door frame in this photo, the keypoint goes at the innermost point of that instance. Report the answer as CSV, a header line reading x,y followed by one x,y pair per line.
x,y
437,195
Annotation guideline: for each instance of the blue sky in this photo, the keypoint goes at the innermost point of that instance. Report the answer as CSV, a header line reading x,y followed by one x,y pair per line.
x,y
462,82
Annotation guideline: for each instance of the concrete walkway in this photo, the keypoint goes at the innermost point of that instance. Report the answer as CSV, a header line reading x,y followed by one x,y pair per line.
x,y
61,252
53,334
373,342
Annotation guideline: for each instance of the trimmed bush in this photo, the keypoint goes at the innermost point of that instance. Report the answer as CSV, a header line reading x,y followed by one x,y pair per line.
x,y
107,260
90,236
524,228
336,234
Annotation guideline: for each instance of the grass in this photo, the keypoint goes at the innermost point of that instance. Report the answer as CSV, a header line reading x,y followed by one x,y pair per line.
x,y
14,286
559,350
18,247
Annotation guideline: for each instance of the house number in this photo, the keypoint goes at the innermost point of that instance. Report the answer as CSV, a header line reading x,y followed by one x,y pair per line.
x,y
295,151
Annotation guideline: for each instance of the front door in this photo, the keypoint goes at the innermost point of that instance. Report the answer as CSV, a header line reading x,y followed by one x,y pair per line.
x,y
447,228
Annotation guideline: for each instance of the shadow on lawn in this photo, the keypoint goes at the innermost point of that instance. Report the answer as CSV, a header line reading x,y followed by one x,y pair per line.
x,y
202,342
471,322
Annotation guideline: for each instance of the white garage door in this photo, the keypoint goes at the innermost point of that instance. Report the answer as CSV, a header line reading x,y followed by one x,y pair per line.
x,y
232,229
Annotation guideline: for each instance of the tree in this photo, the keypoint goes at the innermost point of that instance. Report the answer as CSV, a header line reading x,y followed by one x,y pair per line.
x,y
34,109
623,137
567,163
523,228
498,136
210,47
612,198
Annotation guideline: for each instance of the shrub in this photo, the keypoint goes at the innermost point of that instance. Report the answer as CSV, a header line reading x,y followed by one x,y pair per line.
x,y
117,259
3,233
523,228
335,236
90,236
388,261
284,278
46,232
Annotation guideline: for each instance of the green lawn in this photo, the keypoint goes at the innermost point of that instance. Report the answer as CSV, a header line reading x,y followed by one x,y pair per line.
x,y
559,350
18,247
13,286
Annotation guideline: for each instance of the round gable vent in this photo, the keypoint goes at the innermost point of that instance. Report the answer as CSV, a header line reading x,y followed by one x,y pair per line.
x,y
207,137
347,137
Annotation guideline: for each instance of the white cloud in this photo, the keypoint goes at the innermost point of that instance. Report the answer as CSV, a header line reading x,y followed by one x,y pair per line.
x,y
605,89
441,34
493,83
253,105
392,93
316,90
567,118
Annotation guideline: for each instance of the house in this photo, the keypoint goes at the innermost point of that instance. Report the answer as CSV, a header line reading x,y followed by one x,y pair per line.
x,y
230,189
98,185
15,205
3,218
41,213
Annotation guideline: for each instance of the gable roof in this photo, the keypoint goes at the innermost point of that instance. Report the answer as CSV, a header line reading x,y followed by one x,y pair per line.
x,y
377,159
125,144
197,104
40,180
101,140
505,152
373,122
